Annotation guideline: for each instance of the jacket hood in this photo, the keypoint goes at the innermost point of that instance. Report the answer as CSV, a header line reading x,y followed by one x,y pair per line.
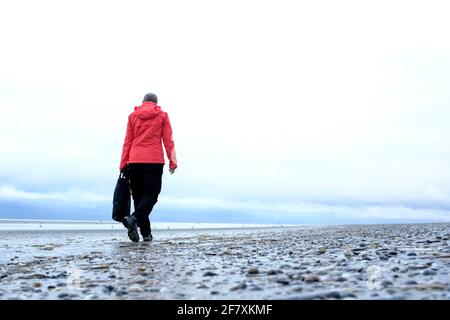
x,y
148,110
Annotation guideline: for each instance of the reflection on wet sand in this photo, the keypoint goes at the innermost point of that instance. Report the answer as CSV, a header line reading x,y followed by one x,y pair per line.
x,y
334,262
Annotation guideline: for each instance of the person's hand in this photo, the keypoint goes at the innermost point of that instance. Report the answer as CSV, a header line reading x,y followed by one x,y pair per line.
x,y
172,171
125,170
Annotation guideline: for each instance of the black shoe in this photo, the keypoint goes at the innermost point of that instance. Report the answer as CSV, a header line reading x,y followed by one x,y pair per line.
x,y
130,223
147,238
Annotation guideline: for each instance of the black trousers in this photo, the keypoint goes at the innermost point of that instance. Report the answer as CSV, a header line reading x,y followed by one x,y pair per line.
x,y
145,183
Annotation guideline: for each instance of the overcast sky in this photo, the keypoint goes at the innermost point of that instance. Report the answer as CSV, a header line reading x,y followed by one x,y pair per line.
x,y
279,108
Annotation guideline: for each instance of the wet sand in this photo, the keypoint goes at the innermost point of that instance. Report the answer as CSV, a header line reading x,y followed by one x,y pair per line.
x,y
333,262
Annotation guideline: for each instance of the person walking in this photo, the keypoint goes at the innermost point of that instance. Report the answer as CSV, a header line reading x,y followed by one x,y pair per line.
x,y
142,162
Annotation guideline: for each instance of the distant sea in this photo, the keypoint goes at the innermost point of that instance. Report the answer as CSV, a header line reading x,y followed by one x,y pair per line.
x,y
28,224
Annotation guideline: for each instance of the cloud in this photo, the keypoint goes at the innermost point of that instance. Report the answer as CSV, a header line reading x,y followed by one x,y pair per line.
x,y
73,196
305,209
300,210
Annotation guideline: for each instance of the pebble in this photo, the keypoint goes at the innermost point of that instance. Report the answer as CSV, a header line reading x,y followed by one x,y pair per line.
x,y
135,288
63,295
312,278
437,286
254,287
100,266
282,281
239,286
386,283
209,274
253,271
332,294
47,247
297,289
109,288
273,272
348,254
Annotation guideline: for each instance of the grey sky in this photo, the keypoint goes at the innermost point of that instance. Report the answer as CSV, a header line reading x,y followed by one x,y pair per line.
x,y
293,107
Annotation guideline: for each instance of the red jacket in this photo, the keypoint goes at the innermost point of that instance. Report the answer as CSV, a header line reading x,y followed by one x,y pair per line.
x,y
147,125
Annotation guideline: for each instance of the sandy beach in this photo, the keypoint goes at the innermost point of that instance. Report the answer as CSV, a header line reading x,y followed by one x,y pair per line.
x,y
330,262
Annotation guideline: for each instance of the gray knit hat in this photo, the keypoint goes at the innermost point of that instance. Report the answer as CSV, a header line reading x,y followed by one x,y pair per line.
x,y
150,97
